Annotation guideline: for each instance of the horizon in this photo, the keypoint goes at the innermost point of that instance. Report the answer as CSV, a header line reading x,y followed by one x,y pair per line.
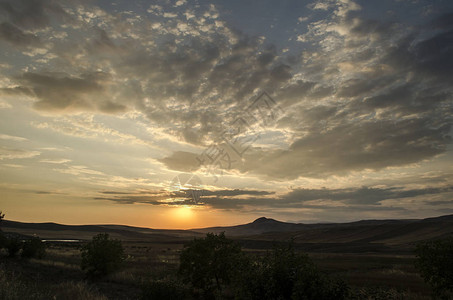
x,y
187,114
227,225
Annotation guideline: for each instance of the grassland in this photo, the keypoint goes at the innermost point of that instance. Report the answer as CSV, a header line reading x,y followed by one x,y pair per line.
x,y
58,275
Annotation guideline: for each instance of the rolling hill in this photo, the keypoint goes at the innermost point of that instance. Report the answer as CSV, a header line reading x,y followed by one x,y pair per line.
x,y
362,236
53,231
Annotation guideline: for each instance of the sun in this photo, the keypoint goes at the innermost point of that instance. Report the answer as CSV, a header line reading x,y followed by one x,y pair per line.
x,y
183,213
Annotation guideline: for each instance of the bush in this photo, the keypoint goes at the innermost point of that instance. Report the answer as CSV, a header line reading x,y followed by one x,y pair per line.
x,y
164,289
102,256
210,262
13,245
435,263
34,248
285,274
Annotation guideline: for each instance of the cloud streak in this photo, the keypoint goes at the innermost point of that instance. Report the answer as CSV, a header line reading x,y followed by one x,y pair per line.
x,y
366,198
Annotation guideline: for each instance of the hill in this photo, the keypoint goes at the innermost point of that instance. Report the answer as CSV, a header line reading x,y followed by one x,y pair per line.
x,y
259,226
360,236
52,231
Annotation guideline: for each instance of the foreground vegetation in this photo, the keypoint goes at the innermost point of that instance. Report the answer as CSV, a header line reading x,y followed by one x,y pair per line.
x,y
214,267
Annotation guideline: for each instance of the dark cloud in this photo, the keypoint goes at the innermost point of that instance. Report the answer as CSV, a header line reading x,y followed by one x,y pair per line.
x,y
131,199
32,14
440,202
43,192
435,55
444,21
395,113
236,192
343,148
182,161
364,195
363,94
114,193
61,92
215,198
350,199
17,37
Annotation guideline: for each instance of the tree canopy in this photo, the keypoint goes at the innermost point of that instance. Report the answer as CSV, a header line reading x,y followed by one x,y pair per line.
x,y
435,263
102,255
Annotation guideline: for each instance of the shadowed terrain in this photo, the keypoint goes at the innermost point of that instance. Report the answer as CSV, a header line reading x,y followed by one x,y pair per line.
x,y
375,257
361,236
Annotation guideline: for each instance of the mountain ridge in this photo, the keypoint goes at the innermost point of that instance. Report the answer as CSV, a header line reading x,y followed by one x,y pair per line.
x,y
386,231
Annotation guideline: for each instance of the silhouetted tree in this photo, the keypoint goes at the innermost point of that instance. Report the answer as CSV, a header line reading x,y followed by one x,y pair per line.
x,y
435,263
13,245
102,255
286,274
33,248
210,262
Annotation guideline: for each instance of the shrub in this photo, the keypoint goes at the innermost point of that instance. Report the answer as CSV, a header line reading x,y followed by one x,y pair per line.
x,y
435,263
102,256
13,245
210,262
285,274
164,289
34,248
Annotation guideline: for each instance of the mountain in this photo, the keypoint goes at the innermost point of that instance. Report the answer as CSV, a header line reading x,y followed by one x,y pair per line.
x,y
390,232
362,236
259,226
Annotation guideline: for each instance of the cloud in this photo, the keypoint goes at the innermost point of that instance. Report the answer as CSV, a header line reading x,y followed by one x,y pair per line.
x,y
322,200
214,198
364,195
13,153
81,171
182,161
158,199
17,37
349,147
235,192
4,105
55,161
12,138
60,92
32,14
364,94
13,166
377,97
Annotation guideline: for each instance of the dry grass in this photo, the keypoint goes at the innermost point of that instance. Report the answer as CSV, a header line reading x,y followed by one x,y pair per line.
x,y
77,291
13,287
58,276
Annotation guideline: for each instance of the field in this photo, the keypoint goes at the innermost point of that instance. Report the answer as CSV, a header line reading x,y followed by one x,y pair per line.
x,y
374,257
58,275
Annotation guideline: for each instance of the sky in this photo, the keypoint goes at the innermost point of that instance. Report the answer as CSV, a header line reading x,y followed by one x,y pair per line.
x,y
186,114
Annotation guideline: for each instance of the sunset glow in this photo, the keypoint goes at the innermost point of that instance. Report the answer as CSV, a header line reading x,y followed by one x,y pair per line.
x,y
184,114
